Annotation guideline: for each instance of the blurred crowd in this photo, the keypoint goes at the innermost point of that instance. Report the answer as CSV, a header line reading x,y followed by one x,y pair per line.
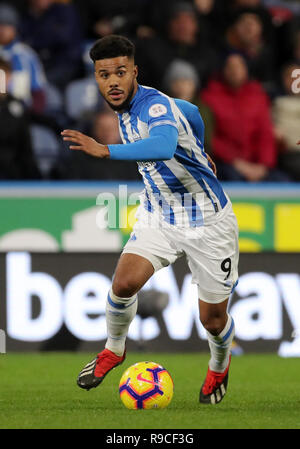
x,y
237,60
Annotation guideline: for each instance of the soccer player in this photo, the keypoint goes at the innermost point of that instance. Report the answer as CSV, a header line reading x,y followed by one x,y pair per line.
x,y
184,212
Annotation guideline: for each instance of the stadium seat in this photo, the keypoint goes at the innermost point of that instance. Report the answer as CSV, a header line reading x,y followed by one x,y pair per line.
x,y
82,96
46,148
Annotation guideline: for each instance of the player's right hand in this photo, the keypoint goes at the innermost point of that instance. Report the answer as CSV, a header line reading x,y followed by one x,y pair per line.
x,y
85,143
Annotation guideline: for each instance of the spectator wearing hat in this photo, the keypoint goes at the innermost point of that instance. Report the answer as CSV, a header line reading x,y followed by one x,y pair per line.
x,y
28,79
182,81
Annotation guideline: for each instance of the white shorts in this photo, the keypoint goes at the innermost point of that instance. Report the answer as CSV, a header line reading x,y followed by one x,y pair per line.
x,y
211,251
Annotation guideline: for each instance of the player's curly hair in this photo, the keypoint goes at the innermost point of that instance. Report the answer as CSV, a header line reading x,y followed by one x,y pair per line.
x,y
112,46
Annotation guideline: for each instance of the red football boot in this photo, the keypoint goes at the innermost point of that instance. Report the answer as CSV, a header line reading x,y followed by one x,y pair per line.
x,y
214,387
94,372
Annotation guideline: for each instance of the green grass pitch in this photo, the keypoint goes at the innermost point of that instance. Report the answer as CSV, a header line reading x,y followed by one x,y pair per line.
x,y
39,391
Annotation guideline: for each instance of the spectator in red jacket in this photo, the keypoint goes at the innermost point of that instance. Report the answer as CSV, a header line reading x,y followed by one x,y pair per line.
x,y
243,144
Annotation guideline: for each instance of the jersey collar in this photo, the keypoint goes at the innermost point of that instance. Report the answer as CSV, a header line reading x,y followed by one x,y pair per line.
x,y
136,97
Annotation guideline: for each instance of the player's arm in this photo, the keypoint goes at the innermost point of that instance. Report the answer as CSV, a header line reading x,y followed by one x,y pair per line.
x,y
193,115
160,145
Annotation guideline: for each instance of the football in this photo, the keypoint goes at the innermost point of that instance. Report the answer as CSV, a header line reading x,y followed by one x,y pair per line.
x,y
146,385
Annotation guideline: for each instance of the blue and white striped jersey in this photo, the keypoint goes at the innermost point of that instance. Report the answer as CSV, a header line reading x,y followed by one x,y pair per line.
x,y
182,191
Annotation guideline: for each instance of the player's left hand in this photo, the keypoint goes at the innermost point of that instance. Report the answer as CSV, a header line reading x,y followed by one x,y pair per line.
x,y
212,164
85,143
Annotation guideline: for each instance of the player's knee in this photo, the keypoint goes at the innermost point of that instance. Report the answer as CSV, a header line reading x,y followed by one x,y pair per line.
x,y
124,288
213,324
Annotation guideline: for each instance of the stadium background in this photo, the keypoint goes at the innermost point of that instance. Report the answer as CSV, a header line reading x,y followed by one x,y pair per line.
x,y
57,255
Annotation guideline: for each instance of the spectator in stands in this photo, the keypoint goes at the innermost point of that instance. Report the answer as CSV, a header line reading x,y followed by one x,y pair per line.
x,y
19,5
291,5
105,127
212,16
243,143
296,46
28,78
101,18
286,117
278,17
288,42
246,35
182,81
53,30
16,154
257,7
204,6
181,41
80,166
246,3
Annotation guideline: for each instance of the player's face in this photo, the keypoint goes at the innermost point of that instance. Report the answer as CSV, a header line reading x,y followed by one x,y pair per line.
x,y
116,78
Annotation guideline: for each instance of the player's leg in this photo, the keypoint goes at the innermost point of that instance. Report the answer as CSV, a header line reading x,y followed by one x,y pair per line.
x,y
213,260
219,327
148,250
132,272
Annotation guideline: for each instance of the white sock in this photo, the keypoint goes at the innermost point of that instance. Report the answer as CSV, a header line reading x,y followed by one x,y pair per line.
x,y
220,346
119,314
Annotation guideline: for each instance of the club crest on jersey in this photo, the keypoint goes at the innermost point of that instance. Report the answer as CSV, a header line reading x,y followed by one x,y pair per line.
x,y
157,110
